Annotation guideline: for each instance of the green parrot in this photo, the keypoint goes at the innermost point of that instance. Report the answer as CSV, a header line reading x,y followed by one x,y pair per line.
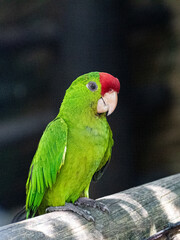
x,y
74,148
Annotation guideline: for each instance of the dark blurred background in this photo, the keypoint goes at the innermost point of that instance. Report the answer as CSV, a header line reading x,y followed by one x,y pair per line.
x,y
45,45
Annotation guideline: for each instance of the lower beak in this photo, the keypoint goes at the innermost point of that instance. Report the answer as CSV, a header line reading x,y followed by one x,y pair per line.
x,y
107,103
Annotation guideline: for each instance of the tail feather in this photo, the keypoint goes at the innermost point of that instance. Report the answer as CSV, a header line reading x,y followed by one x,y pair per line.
x,y
20,216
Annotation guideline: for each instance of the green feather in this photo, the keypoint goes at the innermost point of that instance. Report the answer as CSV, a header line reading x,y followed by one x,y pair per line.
x,y
73,147
46,163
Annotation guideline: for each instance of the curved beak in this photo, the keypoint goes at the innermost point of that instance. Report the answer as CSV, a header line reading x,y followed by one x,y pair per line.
x,y
107,103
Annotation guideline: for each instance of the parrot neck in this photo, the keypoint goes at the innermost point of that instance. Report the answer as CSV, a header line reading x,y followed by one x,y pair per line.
x,y
80,115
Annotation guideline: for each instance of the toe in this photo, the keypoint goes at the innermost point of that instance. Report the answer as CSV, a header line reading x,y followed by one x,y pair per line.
x,y
86,211
48,210
102,207
105,209
90,218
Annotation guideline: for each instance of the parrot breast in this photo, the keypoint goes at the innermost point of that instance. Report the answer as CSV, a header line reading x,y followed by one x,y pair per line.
x,y
86,147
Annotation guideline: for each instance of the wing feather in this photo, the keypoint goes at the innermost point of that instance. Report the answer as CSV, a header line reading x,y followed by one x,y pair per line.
x,y
105,161
47,161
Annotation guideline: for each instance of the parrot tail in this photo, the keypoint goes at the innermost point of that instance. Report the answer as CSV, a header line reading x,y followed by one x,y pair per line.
x,y
20,216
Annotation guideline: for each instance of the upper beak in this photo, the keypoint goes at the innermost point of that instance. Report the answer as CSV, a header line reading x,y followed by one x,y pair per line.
x,y
107,103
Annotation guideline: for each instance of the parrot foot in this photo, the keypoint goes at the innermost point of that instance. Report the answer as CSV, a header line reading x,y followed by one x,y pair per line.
x,y
88,202
71,207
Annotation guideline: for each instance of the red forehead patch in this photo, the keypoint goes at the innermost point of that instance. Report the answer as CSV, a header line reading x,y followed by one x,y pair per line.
x,y
108,83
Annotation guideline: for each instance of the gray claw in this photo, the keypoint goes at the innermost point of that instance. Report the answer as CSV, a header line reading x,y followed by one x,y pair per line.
x,y
73,208
87,202
103,207
106,209
91,219
50,209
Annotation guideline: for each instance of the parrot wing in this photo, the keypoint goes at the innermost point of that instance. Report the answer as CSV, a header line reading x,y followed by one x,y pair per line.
x,y
105,161
47,161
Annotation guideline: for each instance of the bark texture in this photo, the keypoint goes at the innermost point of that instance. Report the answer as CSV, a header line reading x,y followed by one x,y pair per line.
x,y
135,214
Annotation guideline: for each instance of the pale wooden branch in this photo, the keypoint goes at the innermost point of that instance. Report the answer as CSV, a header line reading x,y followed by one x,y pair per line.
x,y
136,214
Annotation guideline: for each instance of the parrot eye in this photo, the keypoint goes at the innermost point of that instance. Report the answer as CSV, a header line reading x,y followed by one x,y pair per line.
x,y
92,86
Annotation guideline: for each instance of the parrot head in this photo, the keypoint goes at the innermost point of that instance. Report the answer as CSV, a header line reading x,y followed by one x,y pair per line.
x,y
94,92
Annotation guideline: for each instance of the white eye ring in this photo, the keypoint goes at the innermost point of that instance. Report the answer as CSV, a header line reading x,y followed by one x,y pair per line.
x,y
92,86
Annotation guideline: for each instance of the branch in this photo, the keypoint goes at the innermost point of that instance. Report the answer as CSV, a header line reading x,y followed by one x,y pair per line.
x,y
136,214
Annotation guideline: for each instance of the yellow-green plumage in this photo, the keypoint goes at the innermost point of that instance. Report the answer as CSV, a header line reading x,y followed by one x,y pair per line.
x,y
73,147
